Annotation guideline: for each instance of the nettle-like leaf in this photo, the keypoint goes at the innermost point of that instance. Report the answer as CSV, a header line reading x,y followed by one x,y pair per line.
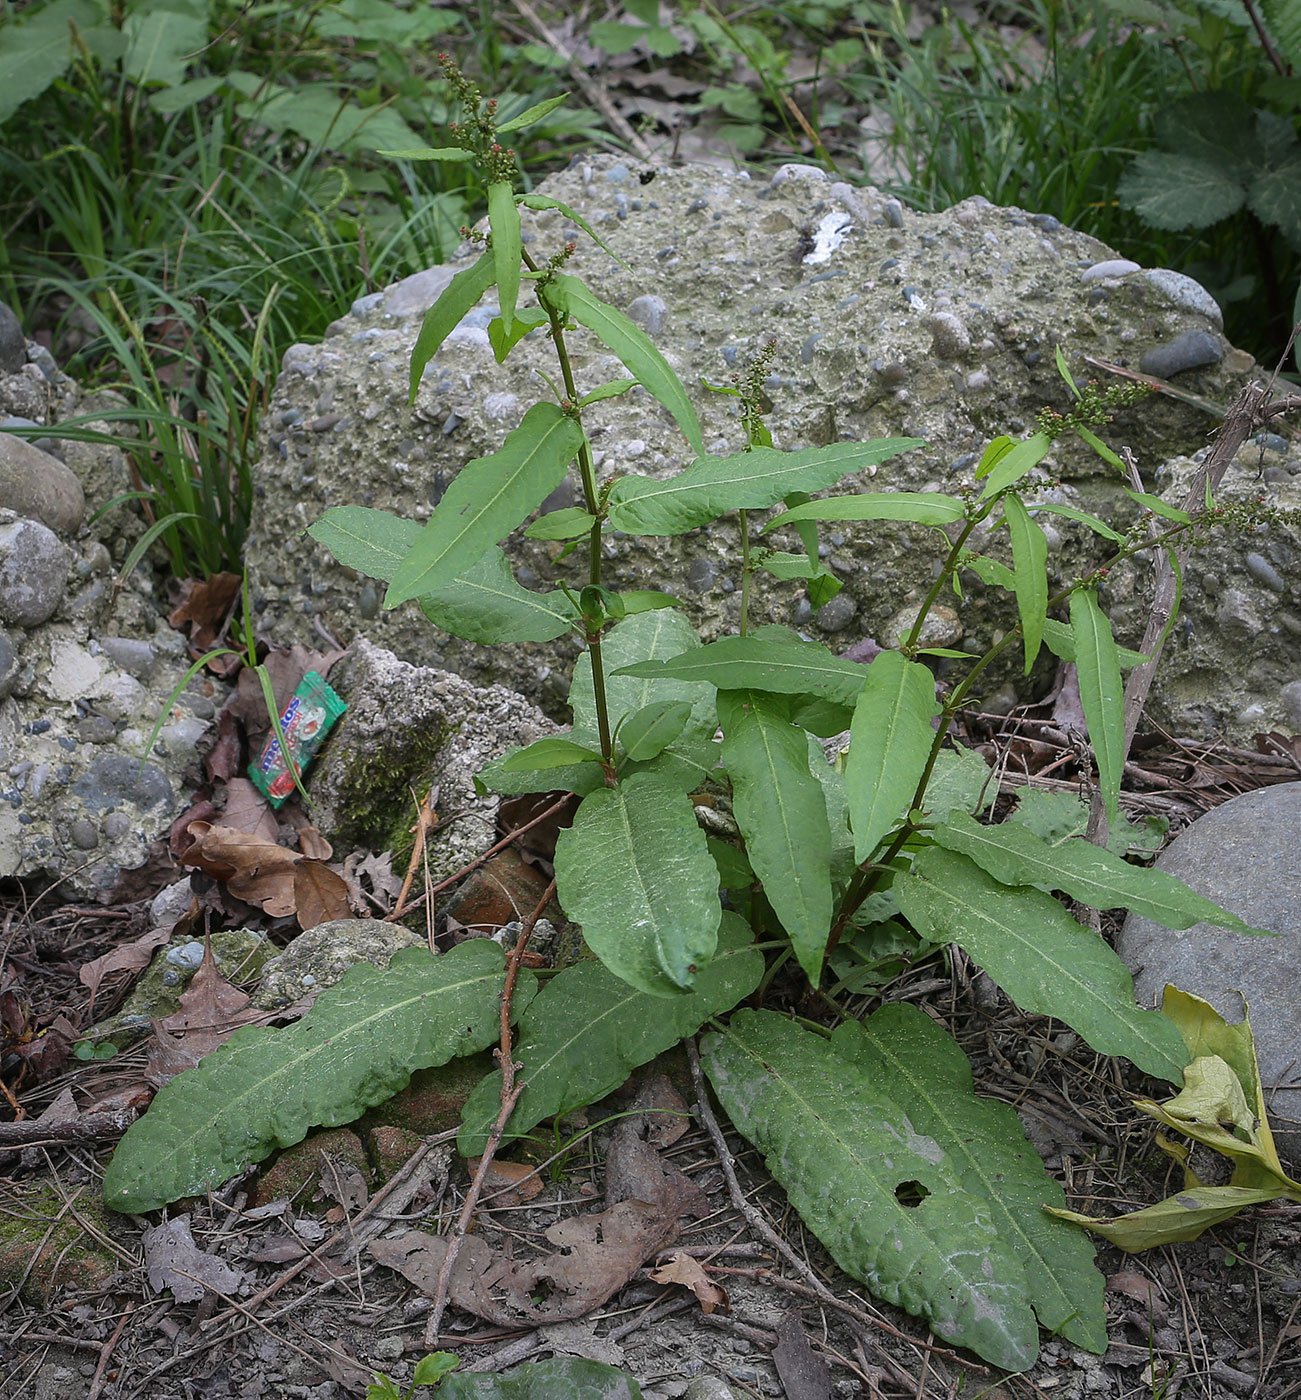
x,y
1102,692
488,499
831,1133
761,663
587,1030
890,741
1275,196
461,295
315,112
264,1088
1178,191
635,871
753,480
560,1378
1030,557
1014,855
161,43
781,809
630,343
1041,957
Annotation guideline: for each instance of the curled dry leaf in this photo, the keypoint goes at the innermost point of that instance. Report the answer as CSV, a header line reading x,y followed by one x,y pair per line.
x,y
803,1374
690,1273
205,607
211,1011
508,1183
174,1261
127,957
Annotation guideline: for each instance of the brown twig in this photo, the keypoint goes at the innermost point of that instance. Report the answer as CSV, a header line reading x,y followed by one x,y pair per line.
x,y
426,820
105,1351
510,1092
90,1127
479,860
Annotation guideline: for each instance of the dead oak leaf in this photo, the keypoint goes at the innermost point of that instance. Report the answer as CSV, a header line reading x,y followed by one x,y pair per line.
x,y
206,606
595,1256
683,1269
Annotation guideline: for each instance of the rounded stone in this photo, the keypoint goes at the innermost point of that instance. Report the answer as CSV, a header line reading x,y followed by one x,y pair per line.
x,y
1186,293
13,343
949,337
1265,573
84,836
700,575
942,627
649,312
1192,350
34,566
116,826
38,486
1291,698
836,615
9,664
1112,267
1242,855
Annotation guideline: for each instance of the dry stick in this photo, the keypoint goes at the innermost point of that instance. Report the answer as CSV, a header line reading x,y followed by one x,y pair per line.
x,y
426,819
88,1128
479,860
97,1381
510,1092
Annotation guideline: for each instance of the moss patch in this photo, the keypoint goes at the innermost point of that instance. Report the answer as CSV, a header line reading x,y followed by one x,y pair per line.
x,y
48,1245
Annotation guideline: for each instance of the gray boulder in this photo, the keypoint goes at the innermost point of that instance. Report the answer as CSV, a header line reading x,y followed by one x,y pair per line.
x,y
35,484
1243,855
889,324
34,566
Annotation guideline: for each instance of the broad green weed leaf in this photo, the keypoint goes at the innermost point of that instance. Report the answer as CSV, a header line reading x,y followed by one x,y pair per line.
x,y
162,43
532,114
632,345
753,480
757,663
587,1030
317,113
542,201
561,1378
890,741
459,298
1030,557
552,752
450,153
1275,197
961,781
653,728
264,1089
503,219
1040,956
782,812
569,524
1102,692
374,542
640,600
831,1134
1013,464
183,96
611,390
503,341
489,497
1181,1217
37,48
1059,640
1014,855
635,872
1177,191
901,1047
921,507
488,604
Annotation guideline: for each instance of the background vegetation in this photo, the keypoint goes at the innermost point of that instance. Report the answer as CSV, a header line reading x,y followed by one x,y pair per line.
x,y
188,187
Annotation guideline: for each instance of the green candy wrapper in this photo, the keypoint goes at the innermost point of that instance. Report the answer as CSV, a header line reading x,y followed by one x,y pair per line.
x,y
307,719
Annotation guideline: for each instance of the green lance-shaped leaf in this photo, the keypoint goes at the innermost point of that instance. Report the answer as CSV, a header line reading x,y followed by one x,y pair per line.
x,y
1060,641
847,1153
653,728
1030,557
890,741
448,153
759,663
1082,517
503,341
921,507
569,524
1102,692
489,605
488,499
532,114
551,752
635,871
782,812
1013,464
542,201
373,542
901,1047
632,345
1014,855
753,480
560,1378
1040,956
503,219
1181,1217
459,298
587,1030
264,1089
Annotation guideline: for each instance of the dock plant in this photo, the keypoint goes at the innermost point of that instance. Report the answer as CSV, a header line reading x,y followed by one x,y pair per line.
x,y
827,871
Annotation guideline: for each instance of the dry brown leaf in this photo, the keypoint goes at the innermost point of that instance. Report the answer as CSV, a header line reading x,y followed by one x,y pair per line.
x,y
313,845
803,1374
247,810
254,869
595,1256
320,895
634,1169
1146,1292
174,1261
211,1011
285,669
683,1269
508,1183
378,869
127,957
223,761
206,606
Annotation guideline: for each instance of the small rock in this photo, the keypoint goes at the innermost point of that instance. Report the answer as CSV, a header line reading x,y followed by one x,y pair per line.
x,y
1242,855
34,566
131,654
837,614
1113,267
1291,697
1186,293
499,408
941,628
13,343
1192,350
38,486
9,664
700,575
949,337
84,835
1264,572
319,958
170,903
892,213
502,890
650,313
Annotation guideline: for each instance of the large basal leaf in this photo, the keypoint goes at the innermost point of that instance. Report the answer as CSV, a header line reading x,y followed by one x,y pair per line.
x,y
1102,692
852,1163
635,871
1275,197
631,344
760,663
37,48
890,741
919,507
1014,855
315,112
374,542
560,1378
587,1030
782,812
1041,957
161,43
265,1088
1177,191
461,295
488,499
1030,557
503,219
753,480
901,1047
